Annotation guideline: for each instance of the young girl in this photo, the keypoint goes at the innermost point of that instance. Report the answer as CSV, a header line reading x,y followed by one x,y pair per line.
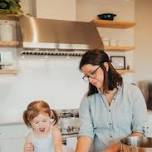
x,y
45,135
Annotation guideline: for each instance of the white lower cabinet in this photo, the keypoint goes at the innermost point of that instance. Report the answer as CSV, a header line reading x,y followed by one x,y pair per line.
x,y
70,144
11,144
12,137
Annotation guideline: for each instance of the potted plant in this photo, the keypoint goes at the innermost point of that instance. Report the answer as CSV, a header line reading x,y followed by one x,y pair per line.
x,y
10,7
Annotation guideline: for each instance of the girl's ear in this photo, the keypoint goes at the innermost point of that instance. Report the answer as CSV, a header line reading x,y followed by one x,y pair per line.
x,y
106,65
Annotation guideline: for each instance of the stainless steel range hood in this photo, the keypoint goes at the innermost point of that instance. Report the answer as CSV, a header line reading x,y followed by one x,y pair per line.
x,y
38,33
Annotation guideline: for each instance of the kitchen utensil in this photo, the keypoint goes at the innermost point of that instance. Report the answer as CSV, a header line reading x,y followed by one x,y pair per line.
x,y
106,16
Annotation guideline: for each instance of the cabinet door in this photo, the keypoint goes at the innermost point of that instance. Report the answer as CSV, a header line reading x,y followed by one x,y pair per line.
x,y
11,144
71,144
12,137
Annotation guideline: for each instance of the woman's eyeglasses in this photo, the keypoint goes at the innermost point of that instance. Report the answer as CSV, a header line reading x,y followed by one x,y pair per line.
x,y
91,75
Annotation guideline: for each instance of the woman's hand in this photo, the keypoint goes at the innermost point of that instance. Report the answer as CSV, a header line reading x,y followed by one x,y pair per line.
x,y
113,148
83,144
28,147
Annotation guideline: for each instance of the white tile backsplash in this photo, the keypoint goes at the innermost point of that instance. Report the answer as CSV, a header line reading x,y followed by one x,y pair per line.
x,y
56,80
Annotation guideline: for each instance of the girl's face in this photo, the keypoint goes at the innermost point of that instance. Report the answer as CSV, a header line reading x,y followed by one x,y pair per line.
x,y
94,74
41,123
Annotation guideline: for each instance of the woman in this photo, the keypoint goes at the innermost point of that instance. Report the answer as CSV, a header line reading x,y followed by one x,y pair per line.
x,y
111,109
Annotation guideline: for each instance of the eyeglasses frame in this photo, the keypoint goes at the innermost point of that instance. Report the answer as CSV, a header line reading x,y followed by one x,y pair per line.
x,y
92,73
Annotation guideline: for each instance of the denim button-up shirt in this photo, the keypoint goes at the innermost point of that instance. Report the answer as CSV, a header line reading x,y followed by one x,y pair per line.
x,y
106,123
148,125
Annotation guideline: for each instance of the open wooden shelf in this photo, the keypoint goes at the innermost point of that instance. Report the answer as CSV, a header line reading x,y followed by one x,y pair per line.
x,y
119,48
9,16
113,24
125,71
8,71
9,43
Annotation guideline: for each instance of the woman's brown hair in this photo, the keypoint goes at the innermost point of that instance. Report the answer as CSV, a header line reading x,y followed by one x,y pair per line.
x,y
112,79
37,107
146,89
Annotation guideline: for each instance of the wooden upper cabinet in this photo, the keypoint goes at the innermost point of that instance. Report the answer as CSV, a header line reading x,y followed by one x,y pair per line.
x,y
113,24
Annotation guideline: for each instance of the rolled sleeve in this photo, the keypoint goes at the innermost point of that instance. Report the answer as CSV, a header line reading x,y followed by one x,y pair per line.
x,y
139,111
86,125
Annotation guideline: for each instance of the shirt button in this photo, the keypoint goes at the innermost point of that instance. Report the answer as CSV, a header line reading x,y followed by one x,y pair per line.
x,y
110,136
110,124
109,110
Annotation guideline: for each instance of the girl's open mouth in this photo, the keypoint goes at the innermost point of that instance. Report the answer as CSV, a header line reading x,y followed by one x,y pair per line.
x,y
42,129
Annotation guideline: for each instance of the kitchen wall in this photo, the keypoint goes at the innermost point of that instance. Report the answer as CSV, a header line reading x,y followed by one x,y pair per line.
x,y
135,10
84,11
127,10
88,10
54,9
28,6
57,79
54,79
143,37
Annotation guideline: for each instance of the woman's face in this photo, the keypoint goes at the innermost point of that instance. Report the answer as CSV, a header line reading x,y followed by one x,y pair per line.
x,y
41,124
94,74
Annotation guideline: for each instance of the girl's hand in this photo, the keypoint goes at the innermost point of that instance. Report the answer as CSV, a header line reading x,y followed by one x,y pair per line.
x,y
28,147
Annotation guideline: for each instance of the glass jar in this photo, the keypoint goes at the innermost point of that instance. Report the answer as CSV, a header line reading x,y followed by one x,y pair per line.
x,y
6,31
